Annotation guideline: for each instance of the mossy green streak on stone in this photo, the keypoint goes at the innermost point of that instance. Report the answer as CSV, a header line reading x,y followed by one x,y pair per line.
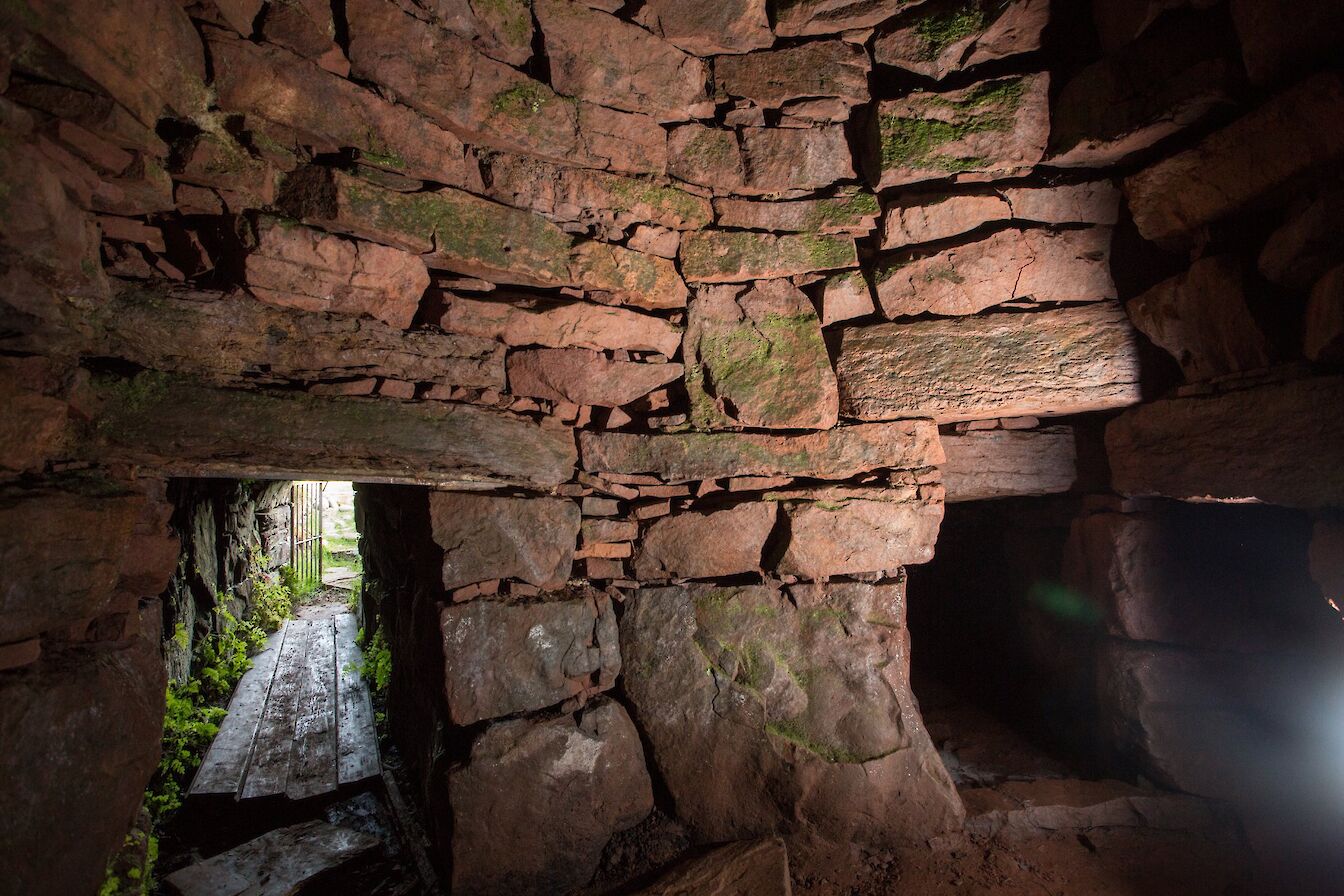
x,y
521,100
662,198
745,255
766,362
710,149
466,227
843,211
938,32
914,142
511,17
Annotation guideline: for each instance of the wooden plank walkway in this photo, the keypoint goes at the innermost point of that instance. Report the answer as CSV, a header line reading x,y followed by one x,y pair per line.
x,y
300,722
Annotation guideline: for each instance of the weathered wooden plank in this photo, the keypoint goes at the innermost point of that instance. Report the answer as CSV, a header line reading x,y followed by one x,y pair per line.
x,y
268,771
312,759
226,761
356,738
277,863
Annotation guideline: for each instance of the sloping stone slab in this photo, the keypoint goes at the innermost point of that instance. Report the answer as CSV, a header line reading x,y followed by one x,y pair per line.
x,y
771,78
179,427
1011,265
557,325
1003,463
1264,151
584,377
501,659
709,27
990,130
538,800
1045,363
1202,320
800,709
939,216
948,38
491,537
735,256
1280,443
753,868
277,862
834,454
808,17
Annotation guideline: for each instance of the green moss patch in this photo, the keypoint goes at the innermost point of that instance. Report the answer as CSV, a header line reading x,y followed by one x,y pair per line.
x,y
938,32
908,141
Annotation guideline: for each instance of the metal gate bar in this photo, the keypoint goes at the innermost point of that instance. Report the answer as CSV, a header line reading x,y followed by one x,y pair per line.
x,y
305,531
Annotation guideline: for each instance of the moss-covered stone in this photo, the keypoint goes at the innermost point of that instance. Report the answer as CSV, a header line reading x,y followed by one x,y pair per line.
x,y
941,30
736,256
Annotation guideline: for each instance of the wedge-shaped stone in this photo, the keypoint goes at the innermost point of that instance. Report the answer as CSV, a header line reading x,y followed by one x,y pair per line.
x,y
710,27
849,211
990,130
501,659
1278,143
835,454
297,267
627,277
935,217
1001,365
591,197
145,53
1008,266
449,227
844,530
584,377
1307,244
558,325
183,428
724,256
845,297
1005,463
1175,75
230,338
950,37
801,702
705,545
794,18
306,27
292,101
759,867
605,60
756,358
1202,320
491,537
1200,448
555,791
771,78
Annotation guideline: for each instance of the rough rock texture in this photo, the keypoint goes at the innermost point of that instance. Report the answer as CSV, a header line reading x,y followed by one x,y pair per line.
x,y
501,659
759,868
233,339
757,359
491,537
849,211
78,723
759,161
845,297
989,130
705,545
931,218
771,78
807,17
841,530
1308,244
835,454
1170,79
709,27
184,428
1264,151
948,38
584,377
1002,463
732,256
554,792
1042,364
1324,330
602,59
1011,265
1201,318
66,566
558,325
799,711
1194,448
296,267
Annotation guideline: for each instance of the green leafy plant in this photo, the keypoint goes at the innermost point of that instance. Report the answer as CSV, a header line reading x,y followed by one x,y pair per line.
x,y
377,665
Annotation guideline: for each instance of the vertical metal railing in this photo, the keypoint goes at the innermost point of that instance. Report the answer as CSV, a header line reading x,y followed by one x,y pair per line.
x,y
305,532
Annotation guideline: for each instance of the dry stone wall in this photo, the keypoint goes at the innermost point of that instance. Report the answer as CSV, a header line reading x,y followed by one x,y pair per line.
x,y
687,309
